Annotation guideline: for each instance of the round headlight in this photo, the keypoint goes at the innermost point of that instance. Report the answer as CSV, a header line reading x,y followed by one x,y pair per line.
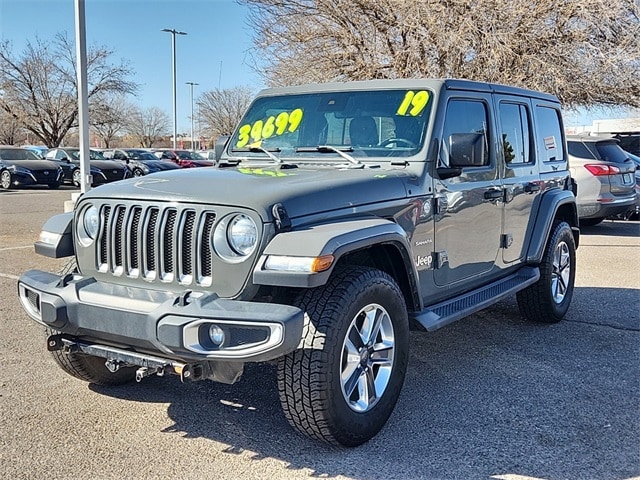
x,y
242,235
88,226
235,237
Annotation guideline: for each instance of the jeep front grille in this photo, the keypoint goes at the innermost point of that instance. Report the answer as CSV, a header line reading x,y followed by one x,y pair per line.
x,y
156,243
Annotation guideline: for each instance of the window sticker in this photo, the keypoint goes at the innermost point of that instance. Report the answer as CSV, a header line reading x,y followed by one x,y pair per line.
x,y
284,122
413,103
550,142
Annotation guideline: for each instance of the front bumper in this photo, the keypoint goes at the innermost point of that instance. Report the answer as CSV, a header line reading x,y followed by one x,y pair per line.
x,y
157,323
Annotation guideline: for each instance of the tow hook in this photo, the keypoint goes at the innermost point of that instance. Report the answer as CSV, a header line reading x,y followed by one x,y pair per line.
x,y
143,372
113,365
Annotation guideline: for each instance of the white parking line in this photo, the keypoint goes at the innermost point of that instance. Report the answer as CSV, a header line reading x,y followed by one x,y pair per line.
x,y
15,248
9,276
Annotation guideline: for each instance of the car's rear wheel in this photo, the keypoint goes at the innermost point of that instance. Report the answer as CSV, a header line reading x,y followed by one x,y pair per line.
x,y
549,298
343,383
87,367
5,179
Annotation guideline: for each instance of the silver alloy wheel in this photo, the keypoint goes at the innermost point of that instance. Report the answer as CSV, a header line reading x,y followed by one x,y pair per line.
x,y
5,179
561,272
77,177
367,358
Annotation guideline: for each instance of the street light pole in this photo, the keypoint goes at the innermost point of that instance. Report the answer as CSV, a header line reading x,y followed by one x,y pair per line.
x,y
191,84
173,33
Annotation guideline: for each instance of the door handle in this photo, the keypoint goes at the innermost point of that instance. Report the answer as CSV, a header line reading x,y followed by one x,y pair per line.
x,y
531,188
494,194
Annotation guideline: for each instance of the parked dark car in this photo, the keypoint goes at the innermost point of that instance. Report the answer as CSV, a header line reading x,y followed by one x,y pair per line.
x,y
102,170
140,162
19,166
184,158
605,176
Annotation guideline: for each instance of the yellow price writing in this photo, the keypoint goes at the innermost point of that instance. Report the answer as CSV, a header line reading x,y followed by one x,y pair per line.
x,y
413,103
274,125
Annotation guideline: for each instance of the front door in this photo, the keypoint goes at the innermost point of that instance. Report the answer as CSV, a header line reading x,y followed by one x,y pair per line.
x,y
468,223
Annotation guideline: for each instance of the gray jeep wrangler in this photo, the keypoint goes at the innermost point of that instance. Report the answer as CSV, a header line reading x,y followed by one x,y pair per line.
x,y
339,216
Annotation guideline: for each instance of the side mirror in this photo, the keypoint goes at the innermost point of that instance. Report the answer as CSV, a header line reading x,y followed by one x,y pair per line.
x,y
466,150
218,148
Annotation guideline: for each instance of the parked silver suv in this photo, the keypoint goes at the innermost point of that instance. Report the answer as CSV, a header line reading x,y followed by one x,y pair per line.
x,y
605,176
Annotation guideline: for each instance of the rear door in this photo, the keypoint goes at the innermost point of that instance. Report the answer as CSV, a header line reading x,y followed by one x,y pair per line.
x,y
520,176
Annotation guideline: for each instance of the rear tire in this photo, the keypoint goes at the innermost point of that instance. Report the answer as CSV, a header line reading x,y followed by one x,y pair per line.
x,y
76,177
344,382
549,298
87,367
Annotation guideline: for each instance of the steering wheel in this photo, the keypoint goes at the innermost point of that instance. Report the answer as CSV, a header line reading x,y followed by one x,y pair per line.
x,y
404,141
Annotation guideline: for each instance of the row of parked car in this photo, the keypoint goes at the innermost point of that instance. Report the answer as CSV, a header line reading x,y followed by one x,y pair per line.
x,y
53,167
608,177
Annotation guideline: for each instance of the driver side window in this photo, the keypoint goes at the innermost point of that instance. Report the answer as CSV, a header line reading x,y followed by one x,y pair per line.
x,y
466,121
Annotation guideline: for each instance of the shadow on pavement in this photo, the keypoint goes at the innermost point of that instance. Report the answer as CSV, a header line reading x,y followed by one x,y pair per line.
x,y
490,395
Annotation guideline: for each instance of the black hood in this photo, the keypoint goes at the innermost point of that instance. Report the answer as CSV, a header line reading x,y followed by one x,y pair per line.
x,y
302,191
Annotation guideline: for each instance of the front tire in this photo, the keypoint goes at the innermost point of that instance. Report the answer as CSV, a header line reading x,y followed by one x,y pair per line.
x,y
87,367
344,382
549,298
5,179
137,172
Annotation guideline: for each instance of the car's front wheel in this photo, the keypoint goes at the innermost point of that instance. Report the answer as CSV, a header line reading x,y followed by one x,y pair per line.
x,y
87,367
5,179
549,298
343,383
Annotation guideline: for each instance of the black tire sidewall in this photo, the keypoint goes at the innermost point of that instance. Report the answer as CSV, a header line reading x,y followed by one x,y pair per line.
x,y
351,427
562,233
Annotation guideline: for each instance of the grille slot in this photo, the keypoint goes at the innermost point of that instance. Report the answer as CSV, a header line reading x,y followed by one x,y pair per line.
x,y
171,244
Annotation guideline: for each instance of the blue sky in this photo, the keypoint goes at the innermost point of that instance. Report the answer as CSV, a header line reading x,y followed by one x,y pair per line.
x,y
216,52
216,32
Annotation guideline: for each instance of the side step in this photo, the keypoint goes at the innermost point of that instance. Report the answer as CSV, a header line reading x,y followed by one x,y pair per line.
x,y
441,314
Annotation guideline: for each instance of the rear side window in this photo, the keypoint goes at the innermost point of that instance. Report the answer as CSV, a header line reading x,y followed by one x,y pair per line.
x,y
549,134
514,121
580,150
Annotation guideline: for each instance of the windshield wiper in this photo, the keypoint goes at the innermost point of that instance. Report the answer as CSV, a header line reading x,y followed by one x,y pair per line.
x,y
331,148
255,149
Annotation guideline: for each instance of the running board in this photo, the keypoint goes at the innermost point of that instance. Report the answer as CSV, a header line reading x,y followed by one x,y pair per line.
x,y
441,314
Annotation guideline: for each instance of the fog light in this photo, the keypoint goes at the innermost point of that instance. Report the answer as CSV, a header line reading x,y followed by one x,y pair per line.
x,y
216,334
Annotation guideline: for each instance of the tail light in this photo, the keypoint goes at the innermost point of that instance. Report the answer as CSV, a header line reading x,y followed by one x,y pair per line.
x,y
599,169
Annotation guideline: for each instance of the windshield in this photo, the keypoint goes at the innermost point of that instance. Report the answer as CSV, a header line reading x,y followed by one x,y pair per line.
x,y
381,123
141,155
17,154
93,154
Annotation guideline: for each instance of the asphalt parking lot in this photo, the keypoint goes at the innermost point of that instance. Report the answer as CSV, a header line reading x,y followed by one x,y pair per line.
x,y
489,397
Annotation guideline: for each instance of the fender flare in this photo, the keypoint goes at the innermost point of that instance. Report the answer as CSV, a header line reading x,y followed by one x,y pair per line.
x,y
550,203
56,238
336,238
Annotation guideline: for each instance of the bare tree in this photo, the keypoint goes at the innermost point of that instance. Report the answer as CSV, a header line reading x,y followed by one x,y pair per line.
x,y
148,125
10,130
587,53
110,114
221,110
39,87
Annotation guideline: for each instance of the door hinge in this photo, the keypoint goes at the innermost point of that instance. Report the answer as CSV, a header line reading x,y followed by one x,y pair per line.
x,y
506,240
440,259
